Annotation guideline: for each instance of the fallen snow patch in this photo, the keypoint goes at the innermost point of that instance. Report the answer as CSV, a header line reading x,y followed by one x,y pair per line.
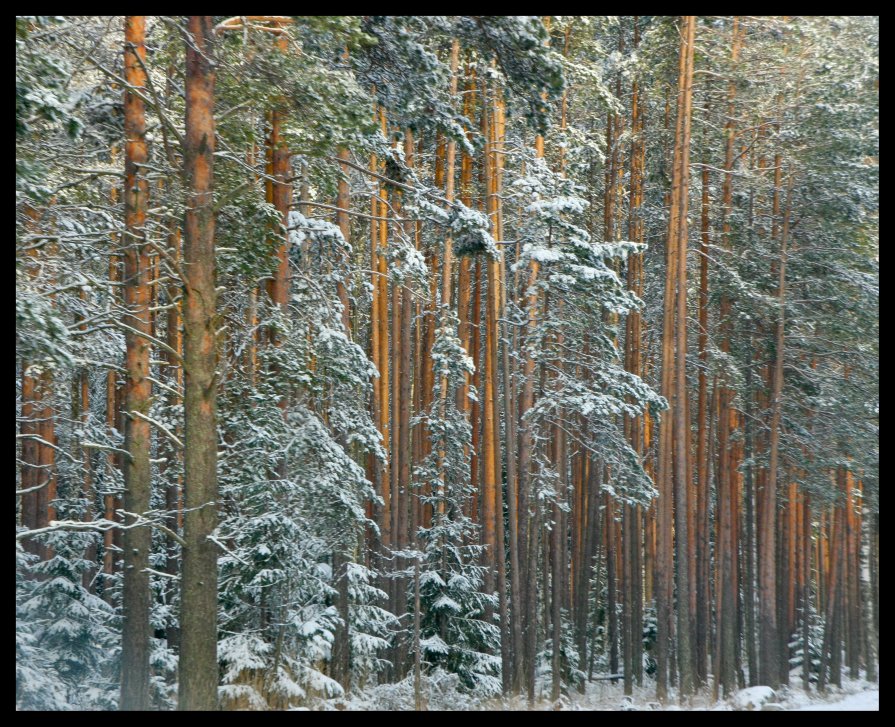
x,y
862,702
753,698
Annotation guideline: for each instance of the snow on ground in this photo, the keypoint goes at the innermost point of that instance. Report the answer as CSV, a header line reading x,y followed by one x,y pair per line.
x,y
604,696
862,702
857,695
854,696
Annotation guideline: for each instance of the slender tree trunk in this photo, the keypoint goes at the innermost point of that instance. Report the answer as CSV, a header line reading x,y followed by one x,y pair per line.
x,y
854,572
173,499
611,579
869,628
46,430
514,510
464,276
38,470
381,266
30,472
341,642
831,653
417,665
475,413
136,598
109,500
446,276
725,674
770,665
343,202
633,626
703,555
403,375
526,443
749,545
492,513
681,420
874,577
806,596
378,329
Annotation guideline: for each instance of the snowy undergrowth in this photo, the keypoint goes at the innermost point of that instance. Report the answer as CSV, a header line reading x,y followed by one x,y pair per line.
x,y
441,690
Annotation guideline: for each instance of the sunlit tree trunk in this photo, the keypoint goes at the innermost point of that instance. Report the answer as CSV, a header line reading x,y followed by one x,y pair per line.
x,y
279,193
673,453
725,617
632,531
681,418
492,508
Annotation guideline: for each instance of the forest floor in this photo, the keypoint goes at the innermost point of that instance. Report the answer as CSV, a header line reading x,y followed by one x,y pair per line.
x,y
863,702
855,695
858,695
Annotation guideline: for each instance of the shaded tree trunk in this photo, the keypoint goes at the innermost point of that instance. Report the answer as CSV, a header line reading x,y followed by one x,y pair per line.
x,y
197,689
136,598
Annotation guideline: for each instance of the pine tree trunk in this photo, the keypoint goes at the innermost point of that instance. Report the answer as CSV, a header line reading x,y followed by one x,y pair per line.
x,y
173,493
867,611
632,601
343,202
703,555
109,501
611,580
806,596
726,617
749,546
136,597
198,659
770,665
681,419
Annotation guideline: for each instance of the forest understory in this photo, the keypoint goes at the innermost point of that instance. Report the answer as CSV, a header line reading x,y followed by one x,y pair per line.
x,y
447,362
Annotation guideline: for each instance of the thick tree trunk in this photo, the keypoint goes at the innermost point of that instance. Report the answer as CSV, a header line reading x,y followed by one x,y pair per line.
x,y
198,659
279,194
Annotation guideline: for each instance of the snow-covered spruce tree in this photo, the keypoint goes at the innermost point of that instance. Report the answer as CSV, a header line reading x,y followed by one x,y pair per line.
x,y
292,493
454,633
66,641
584,297
66,644
369,624
585,390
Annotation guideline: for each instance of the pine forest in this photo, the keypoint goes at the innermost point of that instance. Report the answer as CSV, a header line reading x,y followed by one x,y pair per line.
x,y
447,362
